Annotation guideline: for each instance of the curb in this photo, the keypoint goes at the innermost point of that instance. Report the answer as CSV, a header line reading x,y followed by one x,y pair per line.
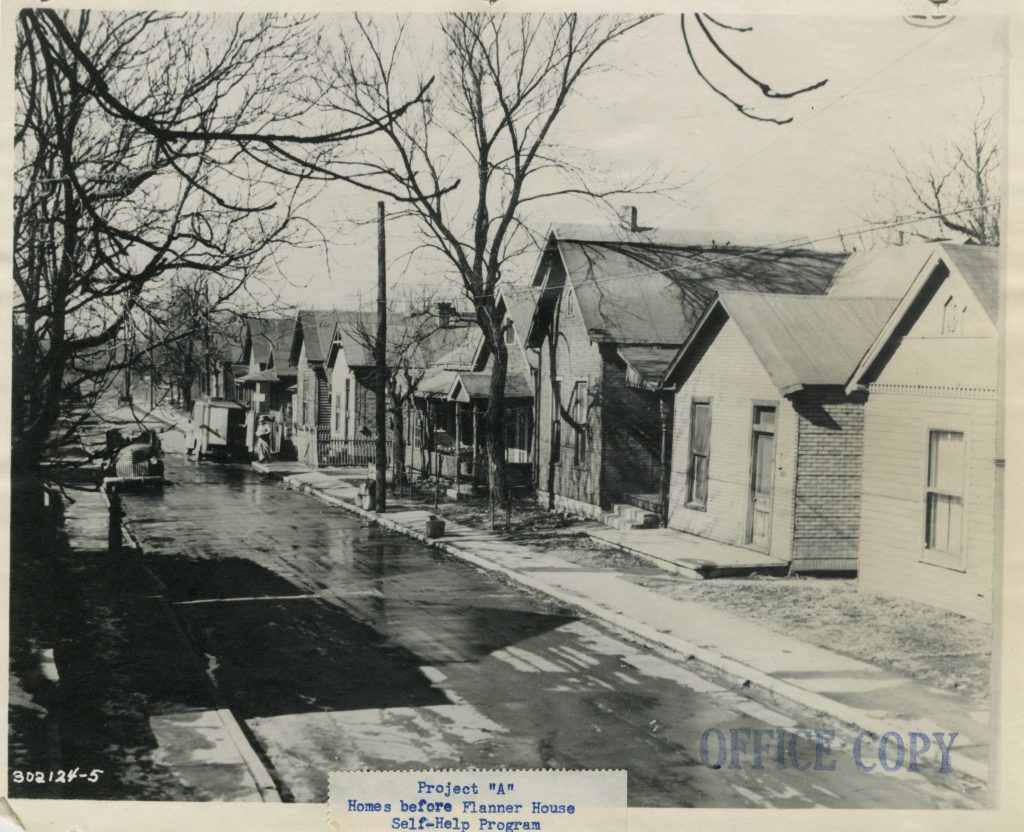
x,y
265,786
864,720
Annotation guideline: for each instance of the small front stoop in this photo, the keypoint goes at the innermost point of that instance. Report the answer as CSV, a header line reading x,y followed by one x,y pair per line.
x,y
623,516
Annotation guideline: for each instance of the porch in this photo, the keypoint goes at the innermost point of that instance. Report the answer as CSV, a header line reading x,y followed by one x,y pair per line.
x,y
688,555
445,438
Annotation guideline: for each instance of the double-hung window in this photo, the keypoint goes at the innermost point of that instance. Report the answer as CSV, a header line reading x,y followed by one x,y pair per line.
x,y
944,499
700,454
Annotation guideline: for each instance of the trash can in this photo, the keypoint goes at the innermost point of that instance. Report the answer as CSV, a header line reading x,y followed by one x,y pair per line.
x,y
435,526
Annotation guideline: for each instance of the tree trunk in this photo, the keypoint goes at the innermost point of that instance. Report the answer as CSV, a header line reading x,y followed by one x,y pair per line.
x,y
398,445
494,427
552,354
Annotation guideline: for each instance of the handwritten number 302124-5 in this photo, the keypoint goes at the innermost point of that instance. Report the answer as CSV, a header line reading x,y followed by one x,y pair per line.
x,y
56,775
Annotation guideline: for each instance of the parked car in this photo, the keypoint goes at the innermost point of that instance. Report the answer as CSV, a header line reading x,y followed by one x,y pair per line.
x,y
136,464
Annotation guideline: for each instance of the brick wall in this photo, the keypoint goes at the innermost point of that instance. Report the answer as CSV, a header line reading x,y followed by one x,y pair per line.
x,y
826,509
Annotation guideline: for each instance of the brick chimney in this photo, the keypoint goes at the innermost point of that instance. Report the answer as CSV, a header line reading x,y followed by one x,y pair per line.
x,y
446,313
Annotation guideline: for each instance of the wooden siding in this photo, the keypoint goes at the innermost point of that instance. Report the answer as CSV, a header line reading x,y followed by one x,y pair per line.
x,y
340,373
577,359
931,382
732,376
892,510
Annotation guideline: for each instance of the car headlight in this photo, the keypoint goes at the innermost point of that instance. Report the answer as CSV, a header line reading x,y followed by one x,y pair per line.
x,y
154,460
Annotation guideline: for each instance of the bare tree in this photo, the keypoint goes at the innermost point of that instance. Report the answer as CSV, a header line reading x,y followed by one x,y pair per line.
x,y
134,138
417,333
704,26
504,82
953,189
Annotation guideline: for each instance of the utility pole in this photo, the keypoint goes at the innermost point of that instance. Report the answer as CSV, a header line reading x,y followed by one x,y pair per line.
x,y
380,501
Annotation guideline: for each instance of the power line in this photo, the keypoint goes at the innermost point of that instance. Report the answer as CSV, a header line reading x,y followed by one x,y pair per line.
x,y
748,252
789,133
795,245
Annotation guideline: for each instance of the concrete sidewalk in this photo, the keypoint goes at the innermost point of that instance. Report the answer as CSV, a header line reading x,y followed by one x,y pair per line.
x,y
195,743
854,692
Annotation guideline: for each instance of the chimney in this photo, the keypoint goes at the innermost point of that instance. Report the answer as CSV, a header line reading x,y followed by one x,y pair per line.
x,y
629,218
445,312
901,237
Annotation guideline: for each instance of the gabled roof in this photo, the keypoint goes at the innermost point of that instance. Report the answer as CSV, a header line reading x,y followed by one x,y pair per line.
x,y
978,266
883,272
467,386
318,330
459,358
271,340
354,333
801,341
638,292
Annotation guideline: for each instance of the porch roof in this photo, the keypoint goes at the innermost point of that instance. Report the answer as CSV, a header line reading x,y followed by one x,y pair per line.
x,y
261,375
477,385
646,366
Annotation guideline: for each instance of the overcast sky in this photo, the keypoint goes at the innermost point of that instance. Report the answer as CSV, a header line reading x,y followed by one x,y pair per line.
x,y
890,85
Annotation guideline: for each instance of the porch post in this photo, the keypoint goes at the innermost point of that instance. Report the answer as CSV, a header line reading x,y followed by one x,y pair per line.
x,y
412,440
458,444
663,485
437,452
476,441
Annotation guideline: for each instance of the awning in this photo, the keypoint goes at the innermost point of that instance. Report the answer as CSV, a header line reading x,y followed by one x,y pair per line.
x,y
646,366
262,375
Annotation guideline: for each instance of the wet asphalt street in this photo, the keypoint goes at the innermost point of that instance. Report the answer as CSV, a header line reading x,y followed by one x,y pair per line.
x,y
340,645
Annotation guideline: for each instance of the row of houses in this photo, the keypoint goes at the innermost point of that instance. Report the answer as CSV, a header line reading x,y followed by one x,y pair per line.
x,y
835,412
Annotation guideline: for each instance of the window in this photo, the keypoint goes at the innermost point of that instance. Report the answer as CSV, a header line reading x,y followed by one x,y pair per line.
x,y
510,335
337,411
579,410
944,503
556,422
700,453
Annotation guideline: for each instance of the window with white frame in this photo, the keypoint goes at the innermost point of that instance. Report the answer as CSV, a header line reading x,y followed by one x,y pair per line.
x,y
944,499
700,454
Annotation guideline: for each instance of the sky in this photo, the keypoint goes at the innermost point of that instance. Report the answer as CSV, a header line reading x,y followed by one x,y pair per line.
x,y
890,85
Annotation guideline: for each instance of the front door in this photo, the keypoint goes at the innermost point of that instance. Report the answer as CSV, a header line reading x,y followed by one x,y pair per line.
x,y
762,477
